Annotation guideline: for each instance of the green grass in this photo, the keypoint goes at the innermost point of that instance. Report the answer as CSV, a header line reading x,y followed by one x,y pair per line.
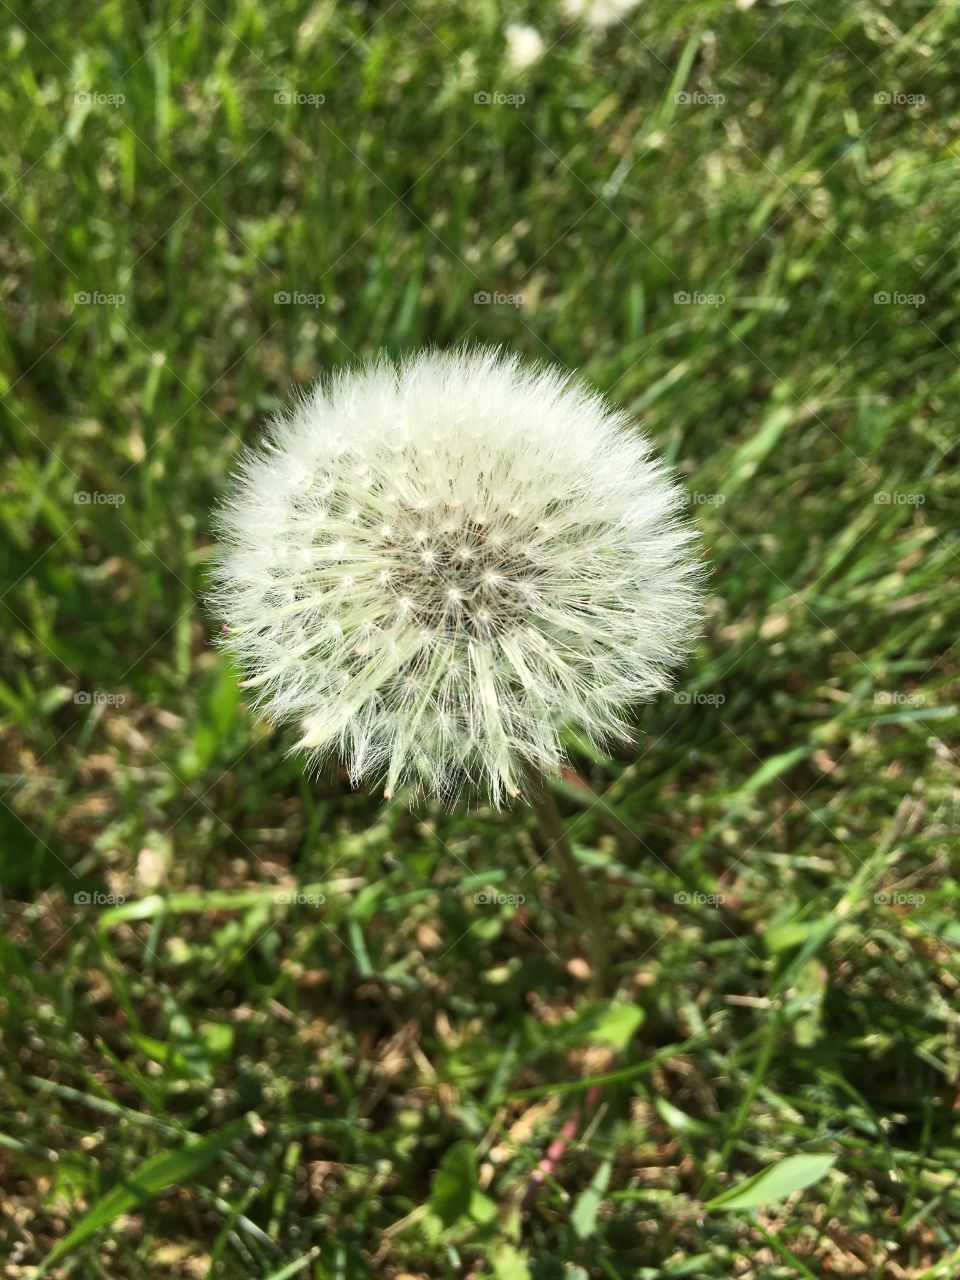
x,y
373,1079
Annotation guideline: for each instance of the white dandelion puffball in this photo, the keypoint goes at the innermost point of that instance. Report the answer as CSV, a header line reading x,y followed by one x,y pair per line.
x,y
524,46
433,567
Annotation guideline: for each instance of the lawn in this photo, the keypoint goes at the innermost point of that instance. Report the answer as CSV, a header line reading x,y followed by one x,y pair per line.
x,y
263,1025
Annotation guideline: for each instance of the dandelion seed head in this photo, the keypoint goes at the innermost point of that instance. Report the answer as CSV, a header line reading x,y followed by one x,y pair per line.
x,y
524,45
434,567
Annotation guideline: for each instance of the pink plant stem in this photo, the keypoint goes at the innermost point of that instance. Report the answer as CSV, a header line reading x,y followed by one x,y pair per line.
x,y
559,1145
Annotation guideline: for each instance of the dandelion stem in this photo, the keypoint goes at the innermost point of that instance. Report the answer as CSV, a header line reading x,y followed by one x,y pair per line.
x,y
578,891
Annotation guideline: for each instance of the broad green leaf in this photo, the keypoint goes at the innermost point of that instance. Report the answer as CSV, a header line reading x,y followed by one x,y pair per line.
x,y
792,933
482,1208
217,1038
616,1026
774,1183
454,1183
509,1264
165,1169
